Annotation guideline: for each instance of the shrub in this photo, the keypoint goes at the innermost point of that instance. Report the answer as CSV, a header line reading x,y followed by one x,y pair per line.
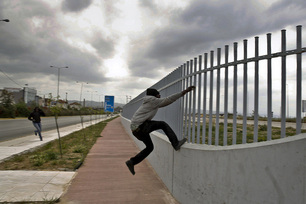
x,y
7,111
37,160
50,155
18,158
263,127
22,110
79,149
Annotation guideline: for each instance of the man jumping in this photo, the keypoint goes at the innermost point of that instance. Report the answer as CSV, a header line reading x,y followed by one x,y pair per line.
x,y
142,125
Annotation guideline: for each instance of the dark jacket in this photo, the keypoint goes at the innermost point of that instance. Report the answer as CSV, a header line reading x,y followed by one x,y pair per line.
x,y
35,116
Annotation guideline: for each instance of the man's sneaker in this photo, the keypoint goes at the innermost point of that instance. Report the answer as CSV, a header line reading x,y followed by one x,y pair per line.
x,y
130,165
35,133
181,142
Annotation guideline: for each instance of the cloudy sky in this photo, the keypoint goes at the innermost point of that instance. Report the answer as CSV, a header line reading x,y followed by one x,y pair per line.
x,y
123,47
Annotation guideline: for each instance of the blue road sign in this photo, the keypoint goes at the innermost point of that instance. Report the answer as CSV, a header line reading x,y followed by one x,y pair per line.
x,y
109,104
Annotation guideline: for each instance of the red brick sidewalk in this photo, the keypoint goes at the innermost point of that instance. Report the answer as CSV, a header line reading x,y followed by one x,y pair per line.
x,y
104,177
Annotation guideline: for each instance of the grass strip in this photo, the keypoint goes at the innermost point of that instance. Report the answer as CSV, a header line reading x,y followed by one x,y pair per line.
x,y
75,148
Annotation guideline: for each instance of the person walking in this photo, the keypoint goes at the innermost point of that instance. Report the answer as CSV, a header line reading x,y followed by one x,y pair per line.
x,y
142,124
35,118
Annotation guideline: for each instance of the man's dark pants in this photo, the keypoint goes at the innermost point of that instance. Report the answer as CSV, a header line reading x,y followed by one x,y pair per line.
x,y
143,134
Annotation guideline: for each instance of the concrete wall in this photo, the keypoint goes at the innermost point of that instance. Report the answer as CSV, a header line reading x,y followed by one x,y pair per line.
x,y
266,172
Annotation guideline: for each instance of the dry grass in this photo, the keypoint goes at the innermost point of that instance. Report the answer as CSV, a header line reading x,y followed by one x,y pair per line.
x,y
262,133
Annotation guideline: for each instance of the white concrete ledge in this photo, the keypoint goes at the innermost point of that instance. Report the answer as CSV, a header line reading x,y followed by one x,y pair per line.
x,y
264,172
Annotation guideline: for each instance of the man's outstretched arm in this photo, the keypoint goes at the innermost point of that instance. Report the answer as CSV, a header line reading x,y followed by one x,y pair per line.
x,y
190,88
170,99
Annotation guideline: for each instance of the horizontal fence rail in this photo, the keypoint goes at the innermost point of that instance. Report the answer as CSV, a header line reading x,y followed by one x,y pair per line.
x,y
198,115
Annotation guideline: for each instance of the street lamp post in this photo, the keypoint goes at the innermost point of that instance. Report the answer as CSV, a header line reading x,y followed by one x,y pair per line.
x,y
100,100
58,77
91,96
81,91
128,98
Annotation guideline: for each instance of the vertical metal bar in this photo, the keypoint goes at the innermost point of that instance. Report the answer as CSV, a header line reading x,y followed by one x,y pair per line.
x,y
269,85
173,89
235,96
182,101
256,91
225,97
178,88
284,81
218,98
211,97
245,92
181,87
194,101
298,79
199,100
189,65
186,101
204,99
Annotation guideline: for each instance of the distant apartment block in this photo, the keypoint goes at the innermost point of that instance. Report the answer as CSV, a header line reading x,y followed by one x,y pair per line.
x,y
25,94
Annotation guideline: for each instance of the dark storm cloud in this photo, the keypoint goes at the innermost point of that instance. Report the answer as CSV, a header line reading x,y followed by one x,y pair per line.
x,y
149,4
30,44
75,5
16,36
105,47
82,66
206,25
285,13
297,5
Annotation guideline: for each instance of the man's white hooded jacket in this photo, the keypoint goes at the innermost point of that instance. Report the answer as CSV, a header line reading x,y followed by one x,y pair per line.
x,y
149,108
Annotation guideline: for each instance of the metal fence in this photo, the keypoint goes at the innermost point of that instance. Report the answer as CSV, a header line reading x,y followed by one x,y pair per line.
x,y
199,115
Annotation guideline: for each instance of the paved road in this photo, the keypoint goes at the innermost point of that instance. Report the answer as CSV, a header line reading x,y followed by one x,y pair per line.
x,y
14,128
